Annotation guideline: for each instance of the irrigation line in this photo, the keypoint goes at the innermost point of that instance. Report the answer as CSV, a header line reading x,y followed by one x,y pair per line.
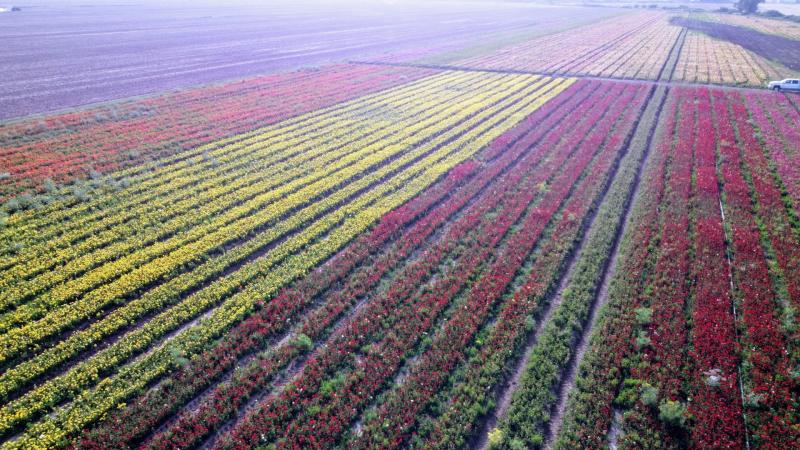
x,y
735,318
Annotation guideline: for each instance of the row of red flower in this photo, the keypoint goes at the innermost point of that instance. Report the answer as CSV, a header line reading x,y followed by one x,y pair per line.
x,y
714,389
397,414
153,408
67,146
130,424
771,387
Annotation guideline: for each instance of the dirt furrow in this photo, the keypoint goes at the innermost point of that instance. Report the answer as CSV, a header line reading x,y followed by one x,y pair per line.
x,y
647,127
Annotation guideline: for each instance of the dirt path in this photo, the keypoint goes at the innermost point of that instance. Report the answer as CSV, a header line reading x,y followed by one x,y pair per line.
x,y
566,74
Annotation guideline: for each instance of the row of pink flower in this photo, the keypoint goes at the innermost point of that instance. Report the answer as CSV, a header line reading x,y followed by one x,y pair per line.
x,y
395,418
65,146
373,344
784,139
783,144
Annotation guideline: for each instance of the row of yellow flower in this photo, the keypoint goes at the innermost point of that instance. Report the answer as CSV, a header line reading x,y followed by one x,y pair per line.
x,y
201,241
69,225
17,376
458,143
168,293
153,226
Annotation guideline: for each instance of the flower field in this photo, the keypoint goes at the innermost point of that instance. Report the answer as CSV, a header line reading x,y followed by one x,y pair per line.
x,y
569,237
714,276
110,137
708,60
765,25
629,46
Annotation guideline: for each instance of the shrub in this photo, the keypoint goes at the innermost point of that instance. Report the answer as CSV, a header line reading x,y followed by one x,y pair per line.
x,y
672,413
648,394
644,316
495,437
303,342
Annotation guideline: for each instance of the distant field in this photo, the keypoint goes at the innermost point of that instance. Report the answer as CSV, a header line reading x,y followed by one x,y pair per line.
x,y
60,56
481,226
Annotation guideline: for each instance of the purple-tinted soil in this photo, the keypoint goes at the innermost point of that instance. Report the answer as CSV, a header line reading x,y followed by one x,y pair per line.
x,y
776,48
58,56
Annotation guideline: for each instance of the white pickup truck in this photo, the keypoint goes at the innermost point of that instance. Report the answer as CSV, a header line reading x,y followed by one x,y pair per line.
x,y
789,84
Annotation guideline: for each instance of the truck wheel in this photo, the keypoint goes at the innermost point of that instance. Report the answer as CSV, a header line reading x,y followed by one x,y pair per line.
x,y
777,88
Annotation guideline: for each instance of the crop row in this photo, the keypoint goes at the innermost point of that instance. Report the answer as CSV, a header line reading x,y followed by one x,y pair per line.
x,y
766,25
629,46
403,321
474,126
268,214
768,379
714,375
198,374
667,381
590,410
525,421
220,407
64,146
395,415
160,195
132,250
230,257
461,401
708,60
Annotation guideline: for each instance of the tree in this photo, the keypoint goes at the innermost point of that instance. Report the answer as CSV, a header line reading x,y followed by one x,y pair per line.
x,y
747,6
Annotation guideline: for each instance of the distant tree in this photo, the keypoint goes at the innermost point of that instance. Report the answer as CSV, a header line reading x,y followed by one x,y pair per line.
x,y
748,6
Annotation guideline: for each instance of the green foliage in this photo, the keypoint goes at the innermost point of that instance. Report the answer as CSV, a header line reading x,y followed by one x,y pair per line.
x,y
496,436
644,316
628,393
642,340
303,342
648,394
49,185
748,6
518,444
672,413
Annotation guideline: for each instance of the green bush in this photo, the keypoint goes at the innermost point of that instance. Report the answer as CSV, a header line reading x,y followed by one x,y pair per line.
x,y
672,413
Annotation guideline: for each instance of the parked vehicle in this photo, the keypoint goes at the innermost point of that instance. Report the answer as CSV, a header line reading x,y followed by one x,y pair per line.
x,y
788,85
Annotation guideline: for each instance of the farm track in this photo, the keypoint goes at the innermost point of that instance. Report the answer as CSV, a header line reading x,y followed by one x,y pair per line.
x,y
668,70
665,83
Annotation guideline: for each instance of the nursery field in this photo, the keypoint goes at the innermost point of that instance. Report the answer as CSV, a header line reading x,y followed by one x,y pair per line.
x,y
582,232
